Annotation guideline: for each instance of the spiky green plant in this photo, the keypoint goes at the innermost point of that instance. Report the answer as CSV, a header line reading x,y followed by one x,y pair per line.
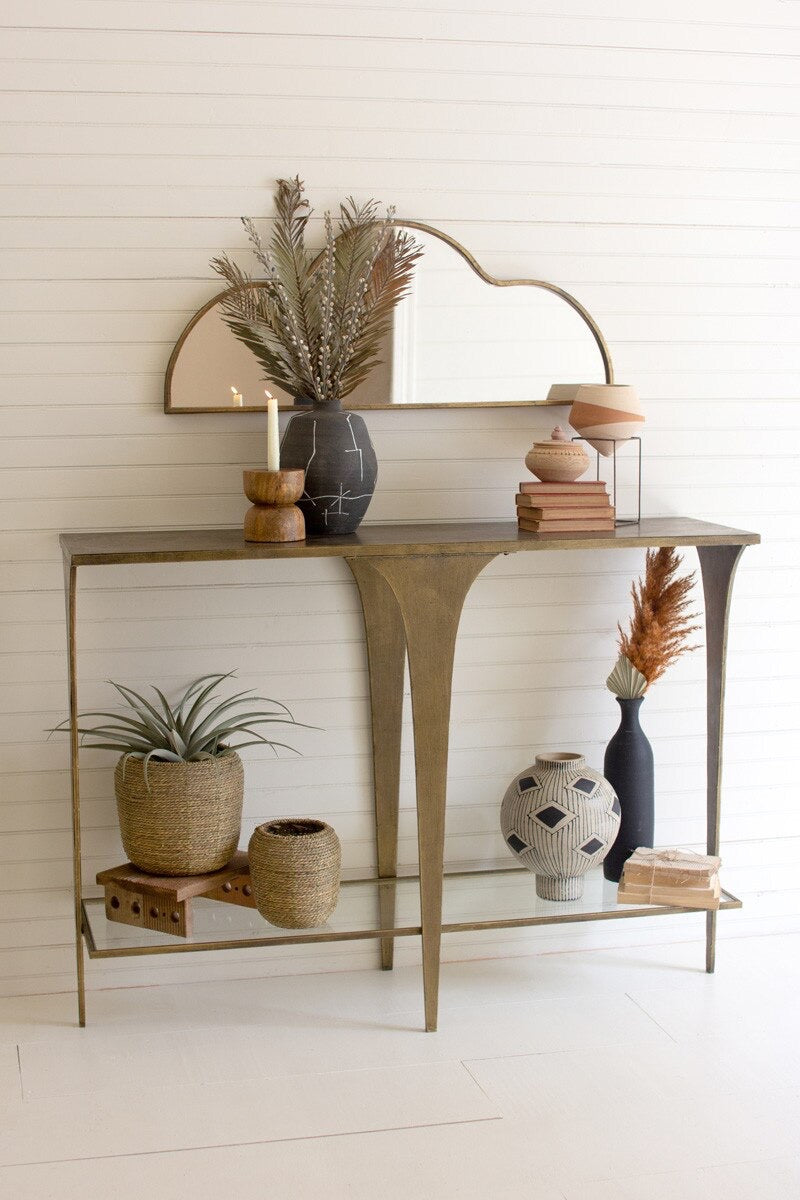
x,y
194,727
316,322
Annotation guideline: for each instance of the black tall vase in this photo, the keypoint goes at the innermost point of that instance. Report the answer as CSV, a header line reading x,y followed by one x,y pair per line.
x,y
628,767
335,451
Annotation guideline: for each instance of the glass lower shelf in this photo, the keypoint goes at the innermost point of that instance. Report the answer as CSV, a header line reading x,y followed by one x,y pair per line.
x,y
485,899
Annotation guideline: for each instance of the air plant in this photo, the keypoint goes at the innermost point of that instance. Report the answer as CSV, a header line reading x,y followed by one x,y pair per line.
x,y
194,727
660,627
316,321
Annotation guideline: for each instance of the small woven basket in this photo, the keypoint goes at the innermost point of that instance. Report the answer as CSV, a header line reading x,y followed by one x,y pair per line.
x,y
294,870
186,819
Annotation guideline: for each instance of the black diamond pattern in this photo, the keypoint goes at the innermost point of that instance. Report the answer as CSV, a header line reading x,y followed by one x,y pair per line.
x,y
550,816
615,807
592,846
528,783
584,785
516,843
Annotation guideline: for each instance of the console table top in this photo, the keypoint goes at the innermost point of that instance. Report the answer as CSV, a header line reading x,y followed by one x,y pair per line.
x,y
445,538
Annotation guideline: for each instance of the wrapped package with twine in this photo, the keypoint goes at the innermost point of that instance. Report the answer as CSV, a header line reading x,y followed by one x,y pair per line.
x,y
676,878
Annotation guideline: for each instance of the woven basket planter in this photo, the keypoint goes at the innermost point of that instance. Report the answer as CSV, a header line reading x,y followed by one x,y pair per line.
x,y
294,870
186,819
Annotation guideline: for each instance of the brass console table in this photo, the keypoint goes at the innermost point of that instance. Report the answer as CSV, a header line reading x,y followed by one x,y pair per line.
x,y
412,580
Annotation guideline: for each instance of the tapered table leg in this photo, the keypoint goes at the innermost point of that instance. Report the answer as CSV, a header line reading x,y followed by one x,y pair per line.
x,y
386,657
717,565
430,594
70,589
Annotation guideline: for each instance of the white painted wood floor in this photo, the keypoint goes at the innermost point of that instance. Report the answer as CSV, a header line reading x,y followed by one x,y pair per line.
x,y
614,1075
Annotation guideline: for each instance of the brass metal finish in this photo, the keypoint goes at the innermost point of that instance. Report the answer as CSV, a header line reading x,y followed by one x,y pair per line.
x,y
412,581
386,658
430,592
472,262
70,588
388,541
717,565
575,304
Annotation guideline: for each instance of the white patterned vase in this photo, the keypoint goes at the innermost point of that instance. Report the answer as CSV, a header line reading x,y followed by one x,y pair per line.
x,y
560,819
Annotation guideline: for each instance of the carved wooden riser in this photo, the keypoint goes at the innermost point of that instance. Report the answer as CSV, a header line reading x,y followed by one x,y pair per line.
x,y
130,907
164,903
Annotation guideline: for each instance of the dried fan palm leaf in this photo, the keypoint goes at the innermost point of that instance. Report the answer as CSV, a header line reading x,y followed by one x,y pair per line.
x,y
625,681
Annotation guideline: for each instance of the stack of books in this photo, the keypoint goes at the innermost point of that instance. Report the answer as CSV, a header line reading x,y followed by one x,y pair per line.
x,y
564,507
677,878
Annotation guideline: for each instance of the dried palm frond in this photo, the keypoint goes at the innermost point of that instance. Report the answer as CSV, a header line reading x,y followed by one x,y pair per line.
x,y
250,312
661,623
389,281
315,323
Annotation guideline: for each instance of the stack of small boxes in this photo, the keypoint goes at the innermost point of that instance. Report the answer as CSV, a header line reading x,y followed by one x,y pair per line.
x,y
575,507
676,878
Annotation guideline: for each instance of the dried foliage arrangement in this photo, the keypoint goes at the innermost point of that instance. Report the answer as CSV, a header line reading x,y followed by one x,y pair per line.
x,y
316,321
660,627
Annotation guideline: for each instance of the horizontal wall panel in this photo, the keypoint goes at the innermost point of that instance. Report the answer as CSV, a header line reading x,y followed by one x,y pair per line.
x,y
631,22
384,112
433,205
306,143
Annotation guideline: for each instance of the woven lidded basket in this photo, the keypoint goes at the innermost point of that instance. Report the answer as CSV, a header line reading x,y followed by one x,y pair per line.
x,y
186,819
294,870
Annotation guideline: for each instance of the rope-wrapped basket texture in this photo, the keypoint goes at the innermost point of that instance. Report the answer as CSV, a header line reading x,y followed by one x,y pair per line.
x,y
182,818
295,866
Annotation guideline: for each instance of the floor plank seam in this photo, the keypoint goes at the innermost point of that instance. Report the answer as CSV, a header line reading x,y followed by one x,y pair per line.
x,y
478,1083
312,1137
650,1017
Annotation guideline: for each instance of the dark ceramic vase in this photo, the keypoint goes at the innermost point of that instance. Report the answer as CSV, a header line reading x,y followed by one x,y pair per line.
x,y
335,451
628,767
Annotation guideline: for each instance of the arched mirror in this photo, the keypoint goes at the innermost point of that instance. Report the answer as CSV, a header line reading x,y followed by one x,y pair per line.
x,y
461,338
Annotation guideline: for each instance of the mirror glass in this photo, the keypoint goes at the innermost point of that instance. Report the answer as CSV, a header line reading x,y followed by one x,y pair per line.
x,y
456,340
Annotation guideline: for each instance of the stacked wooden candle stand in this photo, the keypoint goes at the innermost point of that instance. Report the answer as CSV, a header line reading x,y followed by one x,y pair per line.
x,y
274,515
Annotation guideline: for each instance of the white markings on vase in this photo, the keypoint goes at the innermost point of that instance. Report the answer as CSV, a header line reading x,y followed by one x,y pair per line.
x,y
306,496
356,450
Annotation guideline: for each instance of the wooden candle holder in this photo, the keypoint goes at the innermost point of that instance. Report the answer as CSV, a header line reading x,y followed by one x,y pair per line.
x,y
274,516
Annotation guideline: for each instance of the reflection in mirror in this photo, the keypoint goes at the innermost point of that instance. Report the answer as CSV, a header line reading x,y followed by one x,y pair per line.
x,y
457,340
460,339
212,371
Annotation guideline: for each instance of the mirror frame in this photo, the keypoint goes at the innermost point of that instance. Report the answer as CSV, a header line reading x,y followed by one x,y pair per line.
x,y
472,262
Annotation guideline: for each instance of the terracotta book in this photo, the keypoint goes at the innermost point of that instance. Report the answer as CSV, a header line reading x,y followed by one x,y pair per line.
x,y
579,525
557,513
577,488
563,499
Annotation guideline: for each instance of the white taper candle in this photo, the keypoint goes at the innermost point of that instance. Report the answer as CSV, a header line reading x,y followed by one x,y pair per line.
x,y
273,434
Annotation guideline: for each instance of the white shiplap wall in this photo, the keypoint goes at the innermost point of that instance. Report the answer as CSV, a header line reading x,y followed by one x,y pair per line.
x,y
643,154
